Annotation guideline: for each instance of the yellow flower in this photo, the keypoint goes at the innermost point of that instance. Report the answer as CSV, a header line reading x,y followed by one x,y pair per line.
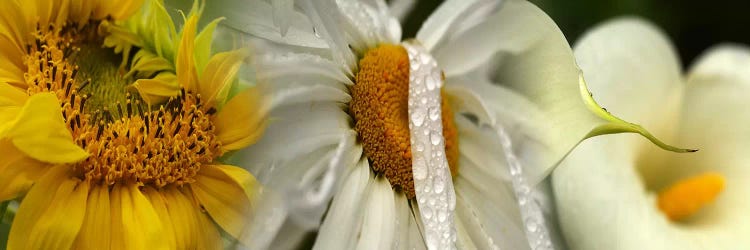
x,y
99,166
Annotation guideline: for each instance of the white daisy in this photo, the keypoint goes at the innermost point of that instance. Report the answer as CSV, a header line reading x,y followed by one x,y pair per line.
x,y
619,193
347,111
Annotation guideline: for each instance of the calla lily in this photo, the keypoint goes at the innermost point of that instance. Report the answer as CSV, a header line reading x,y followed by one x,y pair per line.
x,y
617,192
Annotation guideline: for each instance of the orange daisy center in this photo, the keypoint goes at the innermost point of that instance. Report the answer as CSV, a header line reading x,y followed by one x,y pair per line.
x,y
379,106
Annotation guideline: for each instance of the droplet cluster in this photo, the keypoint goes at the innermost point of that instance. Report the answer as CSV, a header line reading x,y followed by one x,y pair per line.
x,y
379,106
533,219
432,177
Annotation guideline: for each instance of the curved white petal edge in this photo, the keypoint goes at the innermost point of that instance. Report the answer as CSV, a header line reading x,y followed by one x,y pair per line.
x,y
536,229
432,178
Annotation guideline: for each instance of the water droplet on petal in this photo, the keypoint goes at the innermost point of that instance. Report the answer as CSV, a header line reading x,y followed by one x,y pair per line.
x,y
419,169
434,113
435,138
417,117
531,224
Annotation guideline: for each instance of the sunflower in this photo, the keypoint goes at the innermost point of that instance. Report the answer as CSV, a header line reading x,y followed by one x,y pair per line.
x,y
385,128
616,193
111,130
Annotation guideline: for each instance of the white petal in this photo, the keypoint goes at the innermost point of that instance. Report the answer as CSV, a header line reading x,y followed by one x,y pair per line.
x,y
633,71
408,235
283,12
440,23
256,17
715,111
607,187
491,221
271,66
401,8
379,222
341,228
325,16
507,31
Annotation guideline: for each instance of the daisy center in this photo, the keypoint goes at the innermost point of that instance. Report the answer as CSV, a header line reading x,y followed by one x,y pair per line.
x,y
379,106
686,197
129,142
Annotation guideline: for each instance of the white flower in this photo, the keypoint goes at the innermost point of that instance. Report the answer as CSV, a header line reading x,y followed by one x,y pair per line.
x,y
510,84
609,189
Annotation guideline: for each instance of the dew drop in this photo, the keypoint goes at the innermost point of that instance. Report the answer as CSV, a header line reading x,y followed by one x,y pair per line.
x,y
435,138
531,224
419,169
417,117
442,215
430,81
427,211
419,147
439,186
434,113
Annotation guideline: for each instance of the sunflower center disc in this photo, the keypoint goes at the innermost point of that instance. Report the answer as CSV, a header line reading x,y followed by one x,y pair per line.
x,y
128,141
379,106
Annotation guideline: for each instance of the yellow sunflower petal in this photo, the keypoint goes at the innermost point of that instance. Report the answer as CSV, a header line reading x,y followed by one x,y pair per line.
x,y
95,231
124,8
185,63
162,210
135,223
189,229
60,12
7,115
12,32
39,131
219,74
241,121
17,171
158,89
12,96
81,10
51,215
203,44
227,193
10,72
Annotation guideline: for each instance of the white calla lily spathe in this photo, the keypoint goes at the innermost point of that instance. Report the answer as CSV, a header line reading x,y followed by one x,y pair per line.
x,y
609,189
509,76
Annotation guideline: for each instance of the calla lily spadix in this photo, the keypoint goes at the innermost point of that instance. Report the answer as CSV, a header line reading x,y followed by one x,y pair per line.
x,y
512,104
617,192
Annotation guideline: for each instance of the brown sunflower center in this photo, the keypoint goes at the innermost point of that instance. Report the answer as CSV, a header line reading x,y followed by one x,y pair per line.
x,y
379,106
129,142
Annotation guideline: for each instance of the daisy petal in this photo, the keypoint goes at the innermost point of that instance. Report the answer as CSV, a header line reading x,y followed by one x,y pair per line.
x,y
95,231
135,223
377,232
340,229
240,122
40,132
51,214
438,24
17,171
259,21
227,193
408,234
